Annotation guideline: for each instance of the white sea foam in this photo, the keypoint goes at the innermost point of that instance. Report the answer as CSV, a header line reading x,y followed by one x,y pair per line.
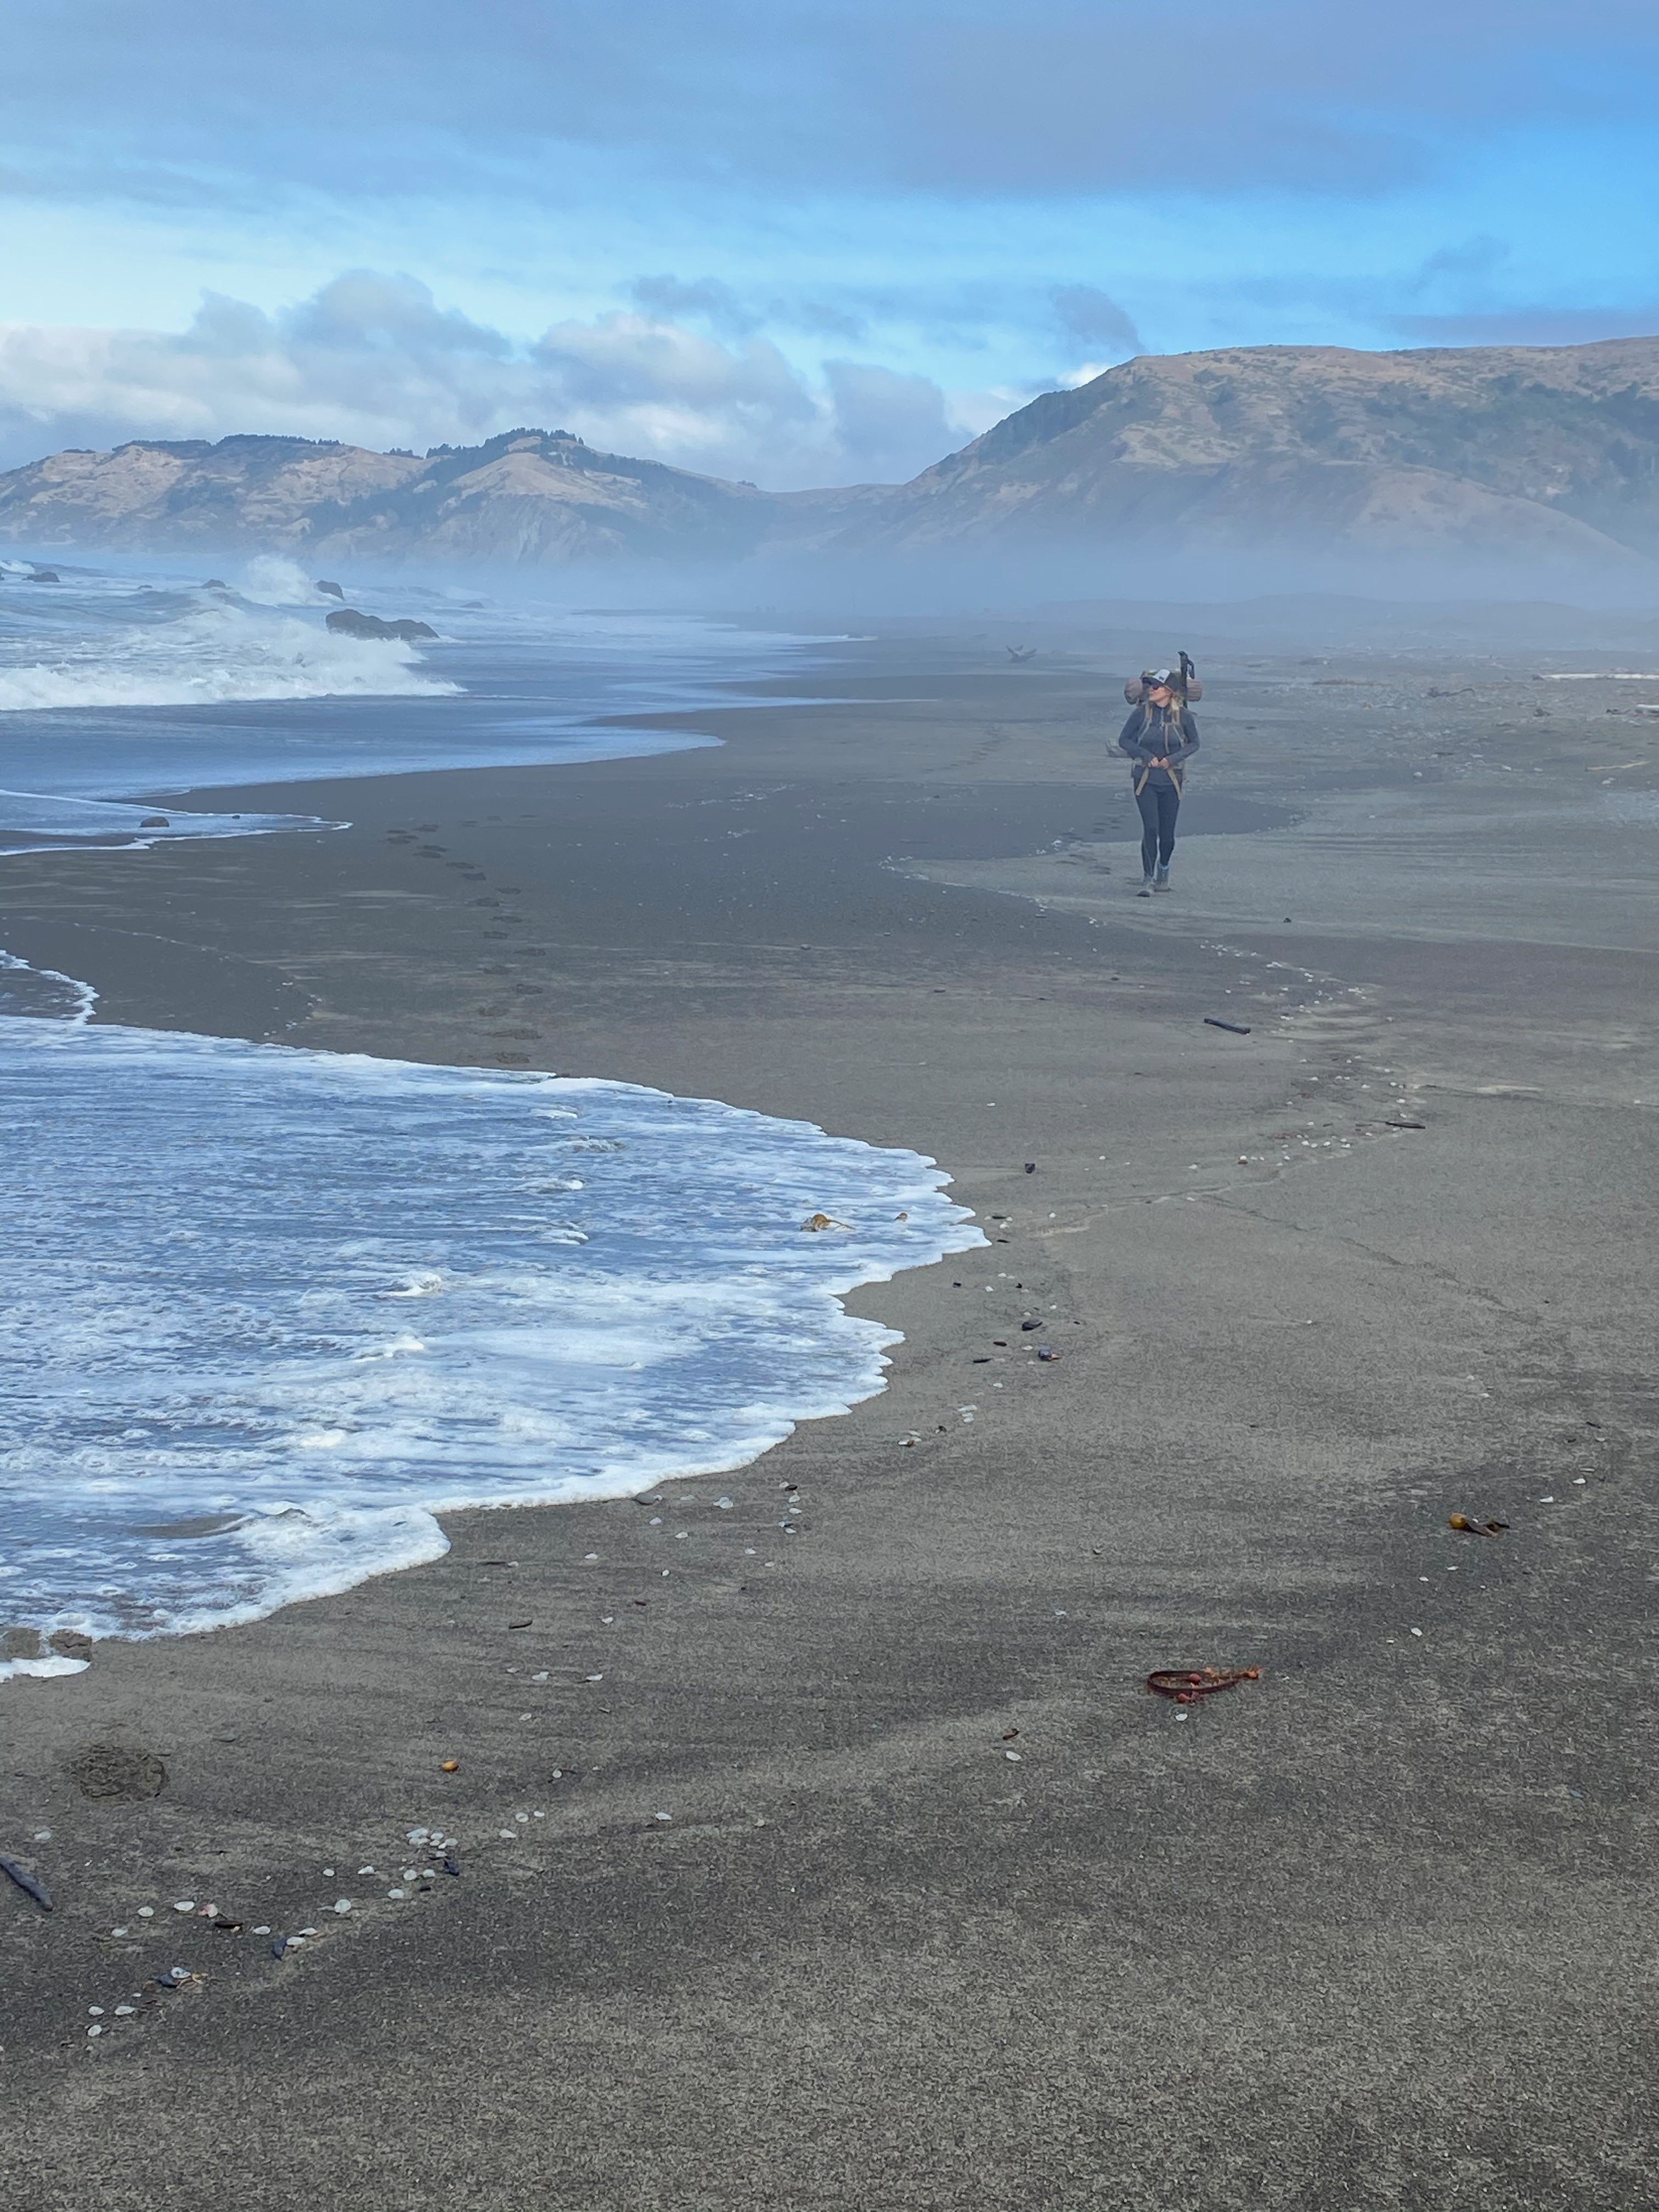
x,y
215,653
271,1311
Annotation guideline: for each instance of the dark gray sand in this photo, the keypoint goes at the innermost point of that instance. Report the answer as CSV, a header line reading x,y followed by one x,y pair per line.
x,y
948,1912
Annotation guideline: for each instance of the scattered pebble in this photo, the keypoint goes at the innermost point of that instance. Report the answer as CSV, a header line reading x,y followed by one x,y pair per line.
x,y
43,1835
1014,1755
590,1555
342,1905
308,1931
187,1904
368,1869
665,1816
596,1678
147,1912
723,1504
394,1892
96,2011
118,1931
542,1677
262,1931
95,2030
1417,1632
122,2011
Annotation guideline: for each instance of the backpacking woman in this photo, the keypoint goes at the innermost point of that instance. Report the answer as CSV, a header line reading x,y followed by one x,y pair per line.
x,y
1159,738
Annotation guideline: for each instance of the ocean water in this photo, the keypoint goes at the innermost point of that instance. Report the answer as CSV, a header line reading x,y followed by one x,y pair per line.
x,y
128,687
270,1312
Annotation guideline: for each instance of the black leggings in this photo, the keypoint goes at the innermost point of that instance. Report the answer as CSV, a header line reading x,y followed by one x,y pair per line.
x,y
1159,804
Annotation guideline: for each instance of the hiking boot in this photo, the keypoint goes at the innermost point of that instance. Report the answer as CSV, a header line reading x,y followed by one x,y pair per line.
x,y
1161,882
1146,891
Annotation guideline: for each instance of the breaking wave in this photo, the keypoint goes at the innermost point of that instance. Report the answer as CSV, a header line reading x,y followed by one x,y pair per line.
x,y
211,653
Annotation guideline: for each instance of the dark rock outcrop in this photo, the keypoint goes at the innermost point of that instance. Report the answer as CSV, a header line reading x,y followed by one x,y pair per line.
x,y
333,590
348,623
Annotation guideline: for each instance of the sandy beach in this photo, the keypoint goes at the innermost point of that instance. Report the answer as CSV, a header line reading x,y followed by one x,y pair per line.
x,y
825,1848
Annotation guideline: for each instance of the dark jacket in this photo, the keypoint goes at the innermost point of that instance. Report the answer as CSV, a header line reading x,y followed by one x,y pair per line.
x,y
1165,731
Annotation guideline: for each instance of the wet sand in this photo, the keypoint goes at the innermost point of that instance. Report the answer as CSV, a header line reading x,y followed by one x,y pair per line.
x,y
949,1911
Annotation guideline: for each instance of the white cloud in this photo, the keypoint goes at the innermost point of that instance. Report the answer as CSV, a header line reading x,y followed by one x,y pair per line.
x,y
373,359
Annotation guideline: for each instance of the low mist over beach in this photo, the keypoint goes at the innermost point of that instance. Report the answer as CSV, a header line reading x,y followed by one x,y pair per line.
x,y
829,913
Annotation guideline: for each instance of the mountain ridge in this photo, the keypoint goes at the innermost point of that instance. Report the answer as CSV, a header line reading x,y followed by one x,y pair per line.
x,y
1539,456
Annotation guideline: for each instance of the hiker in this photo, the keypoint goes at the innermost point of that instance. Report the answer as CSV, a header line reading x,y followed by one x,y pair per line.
x,y
1159,738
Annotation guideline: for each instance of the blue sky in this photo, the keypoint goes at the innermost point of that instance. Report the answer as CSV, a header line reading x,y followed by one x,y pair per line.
x,y
796,244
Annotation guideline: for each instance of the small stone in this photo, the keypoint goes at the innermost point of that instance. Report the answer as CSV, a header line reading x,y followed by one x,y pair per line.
x,y
96,2011
596,1678
95,2030
342,1905
262,1931
121,2011
394,1892
147,1912
118,1931
185,1905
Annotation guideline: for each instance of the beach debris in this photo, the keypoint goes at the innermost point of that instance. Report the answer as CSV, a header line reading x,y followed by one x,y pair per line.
x,y
816,1221
1470,1526
449,1766
1030,1169
1185,1685
1237,1029
1008,1734
226,1926
279,1947
1405,1125
518,1624
1046,1352
1027,1326
27,1882
450,1867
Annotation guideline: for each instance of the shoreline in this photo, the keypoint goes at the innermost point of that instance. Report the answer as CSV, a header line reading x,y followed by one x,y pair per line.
x,y
1292,1341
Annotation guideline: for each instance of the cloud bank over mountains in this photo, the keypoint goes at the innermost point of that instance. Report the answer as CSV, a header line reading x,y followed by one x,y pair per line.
x,y
374,359
776,239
